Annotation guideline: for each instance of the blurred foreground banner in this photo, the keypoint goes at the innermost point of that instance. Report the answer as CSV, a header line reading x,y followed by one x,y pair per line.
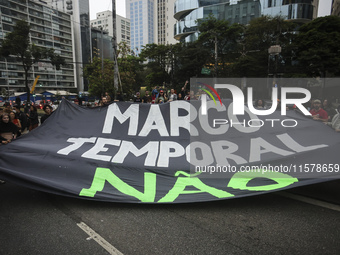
x,y
171,153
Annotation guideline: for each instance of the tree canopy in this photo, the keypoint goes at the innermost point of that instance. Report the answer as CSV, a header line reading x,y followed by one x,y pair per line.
x,y
318,46
242,51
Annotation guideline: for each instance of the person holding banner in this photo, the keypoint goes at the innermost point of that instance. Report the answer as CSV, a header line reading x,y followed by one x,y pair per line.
x,y
335,123
172,96
21,116
260,104
48,111
16,121
318,113
8,130
327,106
162,97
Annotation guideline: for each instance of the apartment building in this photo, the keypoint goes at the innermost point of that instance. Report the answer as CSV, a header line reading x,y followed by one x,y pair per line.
x,y
123,27
79,11
50,29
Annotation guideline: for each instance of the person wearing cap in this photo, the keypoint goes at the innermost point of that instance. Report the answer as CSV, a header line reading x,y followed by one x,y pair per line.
x,y
137,98
318,113
162,97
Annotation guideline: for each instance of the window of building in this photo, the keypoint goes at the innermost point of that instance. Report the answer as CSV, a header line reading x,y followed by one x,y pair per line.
x,y
7,27
6,19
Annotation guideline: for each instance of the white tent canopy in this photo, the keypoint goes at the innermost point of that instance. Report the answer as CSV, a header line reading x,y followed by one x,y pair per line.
x,y
60,92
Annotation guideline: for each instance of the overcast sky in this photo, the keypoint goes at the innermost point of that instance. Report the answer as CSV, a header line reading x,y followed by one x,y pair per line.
x,y
324,7
104,5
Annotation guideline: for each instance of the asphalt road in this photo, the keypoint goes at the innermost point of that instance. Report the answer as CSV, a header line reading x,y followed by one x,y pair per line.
x,y
33,222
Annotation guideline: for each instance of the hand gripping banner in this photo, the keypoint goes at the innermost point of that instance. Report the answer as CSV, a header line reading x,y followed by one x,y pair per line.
x,y
170,153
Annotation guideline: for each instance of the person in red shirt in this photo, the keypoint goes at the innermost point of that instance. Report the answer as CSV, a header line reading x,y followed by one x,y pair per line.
x,y
318,113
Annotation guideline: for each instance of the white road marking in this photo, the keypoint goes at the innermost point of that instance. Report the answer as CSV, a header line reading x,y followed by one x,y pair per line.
x,y
310,201
100,240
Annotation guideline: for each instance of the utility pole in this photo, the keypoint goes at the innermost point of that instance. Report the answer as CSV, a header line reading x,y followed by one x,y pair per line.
x,y
102,57
216,56
114,45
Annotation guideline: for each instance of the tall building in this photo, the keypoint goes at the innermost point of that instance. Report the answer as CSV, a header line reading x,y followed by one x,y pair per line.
x,y
169,22
161,18
50,29
336,7
299,10
80,17
187,12
104,20
101,44
141,14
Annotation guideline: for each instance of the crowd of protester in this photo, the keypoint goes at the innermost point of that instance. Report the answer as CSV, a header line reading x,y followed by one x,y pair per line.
x,y
14,122
324,111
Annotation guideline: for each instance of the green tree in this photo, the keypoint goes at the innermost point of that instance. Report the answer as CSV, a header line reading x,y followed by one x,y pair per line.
x,y
100,80
190,58
318,46
17,44
222,39
130,69
259,36
157,57
172,65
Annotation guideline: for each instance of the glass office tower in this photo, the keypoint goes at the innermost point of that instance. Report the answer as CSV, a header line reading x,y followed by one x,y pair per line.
x,y
187,12
141,14
300,10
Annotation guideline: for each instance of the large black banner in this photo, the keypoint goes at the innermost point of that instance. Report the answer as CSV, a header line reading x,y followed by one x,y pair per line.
x,y
170,153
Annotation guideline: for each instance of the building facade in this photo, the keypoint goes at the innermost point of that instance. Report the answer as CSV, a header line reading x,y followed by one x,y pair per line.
x,y
101,44
123,28
161,21
50,29
298,10
80,18
187,12
141,14
169,22
336,7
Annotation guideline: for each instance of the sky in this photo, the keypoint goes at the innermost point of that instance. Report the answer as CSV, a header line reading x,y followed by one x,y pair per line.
x,y
324,7
104,5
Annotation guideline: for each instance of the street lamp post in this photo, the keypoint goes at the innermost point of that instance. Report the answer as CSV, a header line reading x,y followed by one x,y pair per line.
x,y
114,45
102,58
274,50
